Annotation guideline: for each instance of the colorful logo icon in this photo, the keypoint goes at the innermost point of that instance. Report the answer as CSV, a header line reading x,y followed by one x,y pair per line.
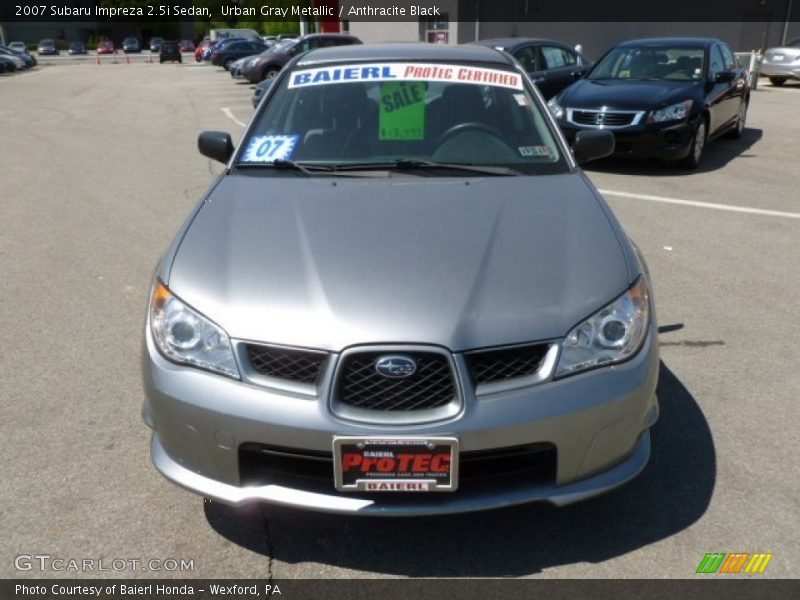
x,y
734,562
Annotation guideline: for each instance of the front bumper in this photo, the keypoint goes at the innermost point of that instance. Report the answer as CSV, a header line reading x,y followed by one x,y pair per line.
x,y
598,422
646,141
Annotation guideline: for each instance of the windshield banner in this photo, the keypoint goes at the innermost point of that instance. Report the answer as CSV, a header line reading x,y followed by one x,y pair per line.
x,y
405,72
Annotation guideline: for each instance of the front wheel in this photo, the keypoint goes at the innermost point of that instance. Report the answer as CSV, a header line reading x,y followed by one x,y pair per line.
x,y
270,73
738,130
698,146
778,81
227,65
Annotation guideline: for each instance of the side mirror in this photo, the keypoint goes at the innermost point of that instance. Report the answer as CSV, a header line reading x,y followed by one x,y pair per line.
x,y
216,145
593,144
725,76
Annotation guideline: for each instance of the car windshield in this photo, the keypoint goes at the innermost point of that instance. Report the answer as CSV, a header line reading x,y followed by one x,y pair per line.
x,y
46,43
650,62
391,114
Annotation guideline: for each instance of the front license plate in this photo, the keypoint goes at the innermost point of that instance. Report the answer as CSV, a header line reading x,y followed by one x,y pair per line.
x,y
398,464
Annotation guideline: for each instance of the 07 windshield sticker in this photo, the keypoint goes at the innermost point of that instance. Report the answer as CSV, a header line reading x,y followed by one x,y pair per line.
x,y
268,148
402,111
405,72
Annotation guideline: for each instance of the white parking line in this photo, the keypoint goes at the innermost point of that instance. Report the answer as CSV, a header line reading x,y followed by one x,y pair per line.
x,y
728,207
232,117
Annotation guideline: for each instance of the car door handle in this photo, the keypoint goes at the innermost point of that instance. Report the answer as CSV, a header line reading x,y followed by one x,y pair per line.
x,y
539,79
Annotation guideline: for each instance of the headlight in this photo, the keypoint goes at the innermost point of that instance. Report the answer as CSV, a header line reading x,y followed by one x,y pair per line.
x,y
185,336
611,335
676,112
555,108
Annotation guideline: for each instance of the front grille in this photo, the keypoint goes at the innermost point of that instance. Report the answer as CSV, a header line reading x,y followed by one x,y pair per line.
x,y
431,386
302,366
261,464
610,119
489,366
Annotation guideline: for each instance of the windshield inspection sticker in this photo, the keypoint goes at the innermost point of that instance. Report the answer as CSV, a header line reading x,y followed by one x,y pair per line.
x,y
402,111
267,148
406,72
522,99
534,151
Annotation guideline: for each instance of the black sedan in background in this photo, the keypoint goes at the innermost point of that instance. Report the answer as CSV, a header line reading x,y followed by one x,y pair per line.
x,y
661,97
224,54
551,65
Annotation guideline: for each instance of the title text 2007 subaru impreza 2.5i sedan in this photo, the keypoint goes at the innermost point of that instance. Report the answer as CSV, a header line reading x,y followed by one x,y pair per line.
x,y
401,297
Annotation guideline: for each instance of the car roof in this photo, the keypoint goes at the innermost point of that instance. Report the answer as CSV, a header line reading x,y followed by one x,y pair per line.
x,y
663,41
516,41
410,51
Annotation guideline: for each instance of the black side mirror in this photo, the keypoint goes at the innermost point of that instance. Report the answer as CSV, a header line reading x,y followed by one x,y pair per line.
x,y
724,76
215,144
591,144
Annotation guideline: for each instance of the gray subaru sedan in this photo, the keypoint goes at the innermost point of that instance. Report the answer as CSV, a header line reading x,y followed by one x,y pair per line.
x,y
401,297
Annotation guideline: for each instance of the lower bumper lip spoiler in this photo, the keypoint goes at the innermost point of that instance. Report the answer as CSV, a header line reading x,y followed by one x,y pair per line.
x,y
455,503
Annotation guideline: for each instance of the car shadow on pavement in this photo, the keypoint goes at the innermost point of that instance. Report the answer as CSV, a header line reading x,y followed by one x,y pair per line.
x,y
718,153
671,494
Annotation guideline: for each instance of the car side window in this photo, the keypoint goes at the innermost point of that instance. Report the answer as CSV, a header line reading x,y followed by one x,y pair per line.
x,y
729,57
528,58
716,63
557,58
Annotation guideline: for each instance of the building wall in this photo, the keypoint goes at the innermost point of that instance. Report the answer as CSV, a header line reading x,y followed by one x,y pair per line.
x,y
373,32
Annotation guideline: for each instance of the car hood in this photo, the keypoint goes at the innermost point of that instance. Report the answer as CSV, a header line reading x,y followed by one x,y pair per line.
x,y
626,94
463,263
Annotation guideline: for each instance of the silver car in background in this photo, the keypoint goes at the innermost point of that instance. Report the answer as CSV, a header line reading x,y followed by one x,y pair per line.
x,y
401,297
782,63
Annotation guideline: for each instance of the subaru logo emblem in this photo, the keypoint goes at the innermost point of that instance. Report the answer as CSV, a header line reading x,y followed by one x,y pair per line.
x,y
395,367
599,118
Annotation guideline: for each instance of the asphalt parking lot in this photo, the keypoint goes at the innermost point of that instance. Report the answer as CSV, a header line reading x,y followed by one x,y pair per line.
x,y
99,168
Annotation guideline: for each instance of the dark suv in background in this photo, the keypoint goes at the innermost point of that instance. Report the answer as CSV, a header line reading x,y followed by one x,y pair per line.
x,y
269,64
170,51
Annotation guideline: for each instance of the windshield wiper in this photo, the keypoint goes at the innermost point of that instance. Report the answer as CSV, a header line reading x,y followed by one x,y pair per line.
x,y
414,163
289,165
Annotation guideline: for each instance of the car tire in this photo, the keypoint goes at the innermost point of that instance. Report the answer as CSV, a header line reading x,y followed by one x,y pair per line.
x,y
741,123
270,73
777,81
692,160
227,64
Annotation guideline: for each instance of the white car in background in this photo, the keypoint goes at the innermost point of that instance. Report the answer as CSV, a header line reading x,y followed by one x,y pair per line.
x,y
782,63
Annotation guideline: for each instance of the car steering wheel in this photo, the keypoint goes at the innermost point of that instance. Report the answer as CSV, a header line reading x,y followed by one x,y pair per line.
x,y
465,127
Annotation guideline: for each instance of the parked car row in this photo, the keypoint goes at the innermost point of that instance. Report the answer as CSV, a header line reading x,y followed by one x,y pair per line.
x,y
129,45
13,58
